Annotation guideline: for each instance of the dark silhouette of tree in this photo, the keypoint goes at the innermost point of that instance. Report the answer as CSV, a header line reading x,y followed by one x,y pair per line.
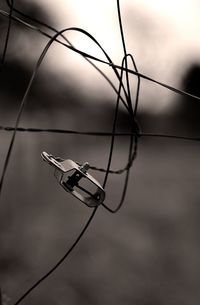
x,y
16,70
189,109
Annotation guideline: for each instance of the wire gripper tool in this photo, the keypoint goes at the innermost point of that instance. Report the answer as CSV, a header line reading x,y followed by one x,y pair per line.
x,y
74,178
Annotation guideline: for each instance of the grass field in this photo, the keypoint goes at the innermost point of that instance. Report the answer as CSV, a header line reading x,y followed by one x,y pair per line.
x,y
147,254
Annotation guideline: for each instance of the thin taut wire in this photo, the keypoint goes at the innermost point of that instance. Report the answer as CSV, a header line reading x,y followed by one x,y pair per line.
x,y
66,255
7,33
117,67
113,134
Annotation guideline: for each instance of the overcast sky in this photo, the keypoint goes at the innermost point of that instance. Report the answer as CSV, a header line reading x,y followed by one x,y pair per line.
x,y
162,35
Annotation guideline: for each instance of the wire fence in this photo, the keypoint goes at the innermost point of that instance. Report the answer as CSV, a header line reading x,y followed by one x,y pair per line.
x,y
123,97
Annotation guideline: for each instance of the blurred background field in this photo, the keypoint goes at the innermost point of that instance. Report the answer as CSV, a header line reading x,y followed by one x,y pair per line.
x,y
149,252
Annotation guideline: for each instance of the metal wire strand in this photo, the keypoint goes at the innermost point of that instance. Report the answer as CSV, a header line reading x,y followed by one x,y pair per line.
x,y
135,131
7,33
66,255
112,65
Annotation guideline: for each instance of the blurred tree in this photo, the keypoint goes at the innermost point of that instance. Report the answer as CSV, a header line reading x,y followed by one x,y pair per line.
x,y
16,71
188,109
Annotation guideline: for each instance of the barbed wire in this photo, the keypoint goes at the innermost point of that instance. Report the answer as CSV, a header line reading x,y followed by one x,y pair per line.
x,y
98,133
135,131
126,103
89,56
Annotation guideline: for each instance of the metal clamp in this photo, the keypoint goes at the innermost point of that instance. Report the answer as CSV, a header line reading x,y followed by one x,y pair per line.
x,y
92,194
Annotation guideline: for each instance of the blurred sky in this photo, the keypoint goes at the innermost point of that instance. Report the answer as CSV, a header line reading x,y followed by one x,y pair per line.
x,y
162,35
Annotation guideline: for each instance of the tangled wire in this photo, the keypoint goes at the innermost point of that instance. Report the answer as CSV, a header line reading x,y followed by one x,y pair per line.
x,y
123,96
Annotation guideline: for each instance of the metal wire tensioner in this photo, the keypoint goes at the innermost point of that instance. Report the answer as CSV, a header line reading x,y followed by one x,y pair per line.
x,y
69,175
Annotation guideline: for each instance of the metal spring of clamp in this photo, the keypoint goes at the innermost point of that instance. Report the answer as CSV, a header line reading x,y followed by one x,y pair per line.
x,y
93,196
